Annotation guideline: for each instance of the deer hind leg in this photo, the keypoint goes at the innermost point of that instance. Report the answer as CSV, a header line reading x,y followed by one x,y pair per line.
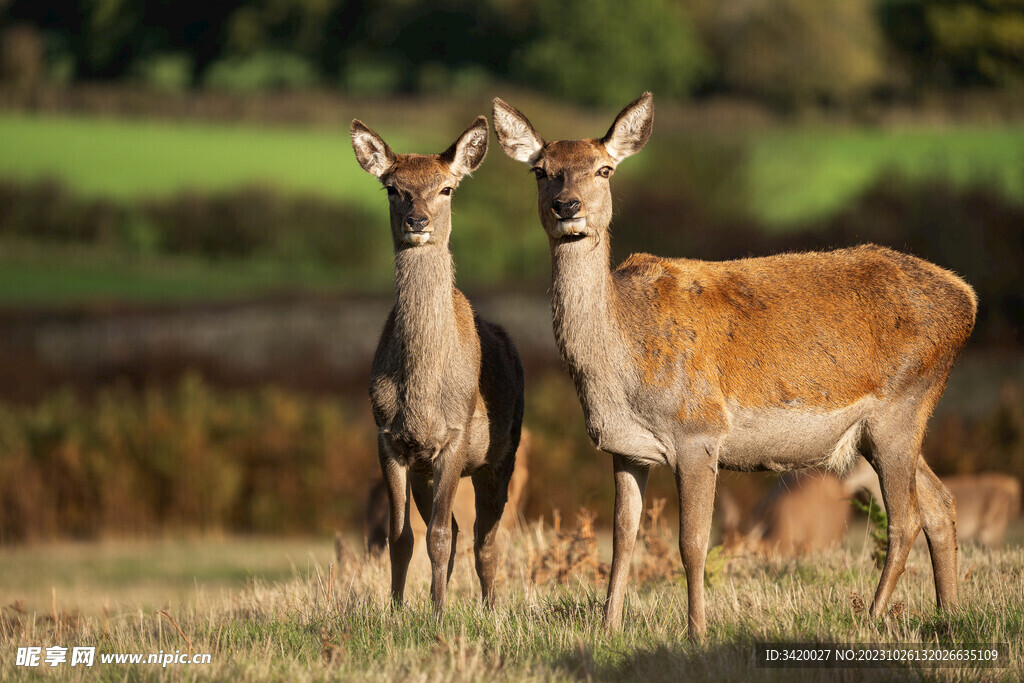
x,y
894,455
491,490
696,484
630,485
400,540
938,512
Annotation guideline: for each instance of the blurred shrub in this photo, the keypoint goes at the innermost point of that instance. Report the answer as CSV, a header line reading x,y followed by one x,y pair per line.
x,y
21,57
603,51
959,42
365,75
244,223
263,70
171,71
186,458
260,222
793,51
992,442
47,212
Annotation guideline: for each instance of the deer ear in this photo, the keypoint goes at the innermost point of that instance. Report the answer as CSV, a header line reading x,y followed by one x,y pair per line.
x,y
372,152
631,129
467,153
515,133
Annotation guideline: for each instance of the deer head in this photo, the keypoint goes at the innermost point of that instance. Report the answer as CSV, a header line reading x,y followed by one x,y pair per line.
x,y
419,186
574,194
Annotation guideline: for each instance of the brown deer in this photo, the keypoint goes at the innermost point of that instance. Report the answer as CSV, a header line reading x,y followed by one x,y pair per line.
x,y
985,503
464,508
446,387
805,511
774,363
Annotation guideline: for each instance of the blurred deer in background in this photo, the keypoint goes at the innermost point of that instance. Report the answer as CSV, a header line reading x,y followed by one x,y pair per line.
x,y
464,507
804,512
446,387
774,363
985,503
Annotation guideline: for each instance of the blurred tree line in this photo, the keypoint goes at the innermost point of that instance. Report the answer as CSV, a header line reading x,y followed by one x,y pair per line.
x,y
783,51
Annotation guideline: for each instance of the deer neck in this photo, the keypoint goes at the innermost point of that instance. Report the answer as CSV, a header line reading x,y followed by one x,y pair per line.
x,y
425,326
583,314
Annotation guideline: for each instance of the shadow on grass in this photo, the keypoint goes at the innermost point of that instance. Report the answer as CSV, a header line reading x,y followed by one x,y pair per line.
x,y
725,662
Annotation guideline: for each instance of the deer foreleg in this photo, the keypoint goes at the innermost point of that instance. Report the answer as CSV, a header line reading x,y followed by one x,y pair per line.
x,y
630,485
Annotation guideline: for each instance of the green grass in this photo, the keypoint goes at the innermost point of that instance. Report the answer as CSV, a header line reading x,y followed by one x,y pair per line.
x,y
803,174
147,574
306,627
128,159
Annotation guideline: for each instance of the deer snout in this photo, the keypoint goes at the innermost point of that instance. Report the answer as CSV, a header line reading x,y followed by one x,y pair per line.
x,y
417,230
566,208
416,223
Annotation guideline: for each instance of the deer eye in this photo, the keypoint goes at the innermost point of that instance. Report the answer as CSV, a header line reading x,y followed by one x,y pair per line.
x,y
604,171
391,190
539,172
447,192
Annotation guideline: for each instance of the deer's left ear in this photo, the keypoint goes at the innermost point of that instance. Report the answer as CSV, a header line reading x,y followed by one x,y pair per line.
x,y
467,153
631,129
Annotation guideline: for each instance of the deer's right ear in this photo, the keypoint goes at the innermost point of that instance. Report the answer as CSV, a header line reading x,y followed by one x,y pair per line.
x,y
632,128
515,133
372,152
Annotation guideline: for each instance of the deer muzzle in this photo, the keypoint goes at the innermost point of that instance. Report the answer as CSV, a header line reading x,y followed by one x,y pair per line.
x,y
417,230
570,227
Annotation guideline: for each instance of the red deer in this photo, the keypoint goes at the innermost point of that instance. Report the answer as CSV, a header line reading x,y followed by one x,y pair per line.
x,y
446,387
804,511
773,363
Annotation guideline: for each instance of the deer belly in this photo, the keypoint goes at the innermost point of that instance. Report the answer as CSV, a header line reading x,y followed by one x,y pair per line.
x,y
782,439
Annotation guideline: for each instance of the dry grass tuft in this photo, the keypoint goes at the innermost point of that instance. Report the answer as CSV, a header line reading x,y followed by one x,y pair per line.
x,y
564,556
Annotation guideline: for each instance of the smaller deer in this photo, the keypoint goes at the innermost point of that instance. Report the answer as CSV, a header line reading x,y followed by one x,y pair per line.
x,y
446,387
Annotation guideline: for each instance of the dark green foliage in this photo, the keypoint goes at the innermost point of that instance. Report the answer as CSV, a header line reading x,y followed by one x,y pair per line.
x,y
793,51
608,52
879,529
244,223
959,42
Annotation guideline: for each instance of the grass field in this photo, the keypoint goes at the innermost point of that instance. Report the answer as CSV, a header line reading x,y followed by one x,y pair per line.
x,y
315,622
129,159
803,174
793,173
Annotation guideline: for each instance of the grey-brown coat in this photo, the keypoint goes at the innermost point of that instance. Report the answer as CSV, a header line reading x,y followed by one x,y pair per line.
x,y
446,387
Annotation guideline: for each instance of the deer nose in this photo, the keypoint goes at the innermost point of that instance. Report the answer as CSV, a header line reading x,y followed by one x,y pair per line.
x,y
416,223
565,209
